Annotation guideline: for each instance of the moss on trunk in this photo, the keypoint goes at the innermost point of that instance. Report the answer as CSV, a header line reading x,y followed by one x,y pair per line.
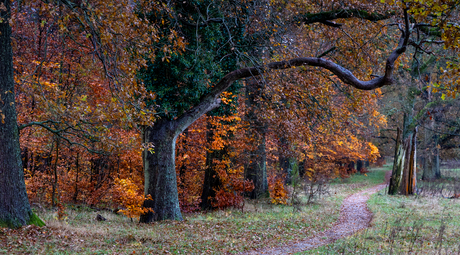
x,y
16,222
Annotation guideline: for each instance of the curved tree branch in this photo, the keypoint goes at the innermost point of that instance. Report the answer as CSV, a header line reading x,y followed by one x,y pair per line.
x,y
326,17
210,100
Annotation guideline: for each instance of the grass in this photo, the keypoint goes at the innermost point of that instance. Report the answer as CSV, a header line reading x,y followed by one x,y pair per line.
x,y
220,232
405,225
450,173
374,177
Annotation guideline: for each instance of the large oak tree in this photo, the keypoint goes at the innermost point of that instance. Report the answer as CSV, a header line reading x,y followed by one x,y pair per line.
x,y
159,167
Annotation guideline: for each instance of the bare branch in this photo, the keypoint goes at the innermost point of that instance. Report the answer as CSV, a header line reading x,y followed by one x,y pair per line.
x,y
59,133
326,17
204,24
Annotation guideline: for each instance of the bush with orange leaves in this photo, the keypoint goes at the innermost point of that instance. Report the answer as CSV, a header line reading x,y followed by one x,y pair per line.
x,y
232,197
231,193
126,193
278,192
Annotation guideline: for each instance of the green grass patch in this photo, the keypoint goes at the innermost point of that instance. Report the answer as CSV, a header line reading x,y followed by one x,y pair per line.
x,y
405,225
373,177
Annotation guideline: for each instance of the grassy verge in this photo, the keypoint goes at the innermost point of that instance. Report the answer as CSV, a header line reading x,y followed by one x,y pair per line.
x,y
405,225
258,225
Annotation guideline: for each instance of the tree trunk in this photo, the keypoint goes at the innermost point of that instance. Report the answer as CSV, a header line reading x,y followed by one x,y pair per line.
x,y
437,163
398,165
288,162
14,204
256,171
211,176
359,166
160,172
403,177
77,167
431,168
287,165
54,199
351,166
408,183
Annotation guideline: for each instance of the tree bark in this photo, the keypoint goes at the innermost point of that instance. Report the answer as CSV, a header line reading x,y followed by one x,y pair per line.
x,y
287,165
256,170
14,204
408,183
403,177
431,168
398,165
77,167
160,172
54,199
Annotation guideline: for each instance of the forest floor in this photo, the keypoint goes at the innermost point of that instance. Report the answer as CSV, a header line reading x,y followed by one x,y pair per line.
x,y
426,224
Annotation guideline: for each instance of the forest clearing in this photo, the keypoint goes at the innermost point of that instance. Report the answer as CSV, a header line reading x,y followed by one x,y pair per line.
x,y
229,127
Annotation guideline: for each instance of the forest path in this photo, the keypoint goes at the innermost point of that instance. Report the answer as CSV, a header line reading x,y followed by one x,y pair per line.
x,y
354,216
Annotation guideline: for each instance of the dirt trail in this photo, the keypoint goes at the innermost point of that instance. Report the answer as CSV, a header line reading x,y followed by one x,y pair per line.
x,y
354,216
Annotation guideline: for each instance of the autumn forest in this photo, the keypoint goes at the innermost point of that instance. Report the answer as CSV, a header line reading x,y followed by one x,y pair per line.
x,y
163,112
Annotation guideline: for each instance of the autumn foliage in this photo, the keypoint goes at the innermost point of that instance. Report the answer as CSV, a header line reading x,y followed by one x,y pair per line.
x,y
127,194
278,192
80,131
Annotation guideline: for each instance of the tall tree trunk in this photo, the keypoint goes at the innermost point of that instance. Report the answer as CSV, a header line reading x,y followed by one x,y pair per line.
x,y
437,162
256,170
286,162
408,183
403,177
287,165
431,168
55,179
14,204
160,172
77,167
398,165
